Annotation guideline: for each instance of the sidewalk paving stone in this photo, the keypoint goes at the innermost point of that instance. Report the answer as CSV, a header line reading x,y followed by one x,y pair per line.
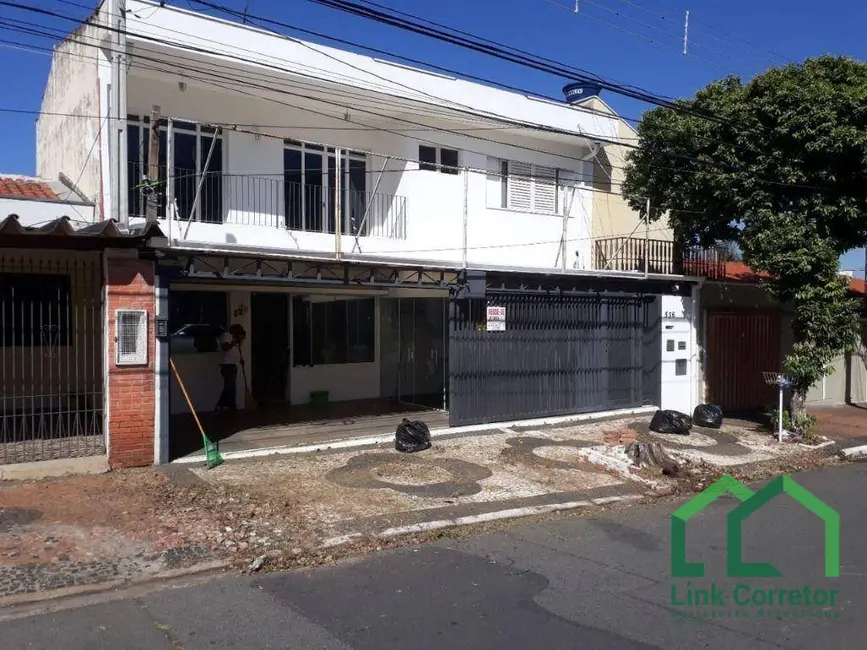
x,y
131,525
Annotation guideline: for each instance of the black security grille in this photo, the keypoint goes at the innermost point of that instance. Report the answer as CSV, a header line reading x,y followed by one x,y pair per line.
x,y
51,376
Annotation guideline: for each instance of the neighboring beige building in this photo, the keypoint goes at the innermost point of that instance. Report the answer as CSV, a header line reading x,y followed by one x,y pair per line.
x,y
618,230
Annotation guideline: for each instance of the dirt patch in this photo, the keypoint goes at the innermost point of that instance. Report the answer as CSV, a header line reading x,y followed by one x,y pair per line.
x,y
410,474
11,518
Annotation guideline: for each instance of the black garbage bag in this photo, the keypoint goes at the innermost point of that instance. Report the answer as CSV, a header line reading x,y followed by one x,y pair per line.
x,y
671,422
412,436
709,416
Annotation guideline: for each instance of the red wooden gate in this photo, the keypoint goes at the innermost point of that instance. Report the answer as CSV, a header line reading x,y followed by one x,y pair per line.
x,y
740,346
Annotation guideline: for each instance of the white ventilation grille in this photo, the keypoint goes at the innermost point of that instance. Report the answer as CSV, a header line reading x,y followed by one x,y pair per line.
x,y
132,337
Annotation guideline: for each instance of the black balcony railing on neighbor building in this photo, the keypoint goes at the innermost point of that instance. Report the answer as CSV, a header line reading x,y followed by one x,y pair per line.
x,y
657,256
269,201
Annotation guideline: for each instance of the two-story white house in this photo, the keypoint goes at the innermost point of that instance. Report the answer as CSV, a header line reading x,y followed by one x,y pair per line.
x,y
391,238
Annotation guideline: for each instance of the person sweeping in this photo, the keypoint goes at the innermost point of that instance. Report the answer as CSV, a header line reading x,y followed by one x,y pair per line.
x,y
230,346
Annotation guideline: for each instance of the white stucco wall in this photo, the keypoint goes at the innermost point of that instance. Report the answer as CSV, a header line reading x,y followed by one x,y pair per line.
x,y
69,135
37,213
434,201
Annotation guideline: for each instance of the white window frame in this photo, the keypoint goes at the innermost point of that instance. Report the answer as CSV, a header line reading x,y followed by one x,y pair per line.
x,y
180,126
499,195
453,170
140,356
326,152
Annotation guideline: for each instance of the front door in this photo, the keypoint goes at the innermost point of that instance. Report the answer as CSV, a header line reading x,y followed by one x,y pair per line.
x,y
269,346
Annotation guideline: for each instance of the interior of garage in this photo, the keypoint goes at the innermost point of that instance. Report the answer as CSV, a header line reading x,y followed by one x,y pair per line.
x,y
319,364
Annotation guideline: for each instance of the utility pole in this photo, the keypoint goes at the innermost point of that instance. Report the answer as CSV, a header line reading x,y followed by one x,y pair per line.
x,y
117,146
338,221
154,166
647,237
466,214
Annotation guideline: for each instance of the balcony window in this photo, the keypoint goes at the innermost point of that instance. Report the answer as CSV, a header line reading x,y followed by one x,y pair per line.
x,y
310,178
191,144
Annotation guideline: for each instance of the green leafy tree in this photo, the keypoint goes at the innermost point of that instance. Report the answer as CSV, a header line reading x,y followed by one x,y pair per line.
x,y
776,167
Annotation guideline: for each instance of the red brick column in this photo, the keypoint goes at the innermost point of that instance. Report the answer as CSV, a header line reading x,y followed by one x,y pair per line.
x,y
131,389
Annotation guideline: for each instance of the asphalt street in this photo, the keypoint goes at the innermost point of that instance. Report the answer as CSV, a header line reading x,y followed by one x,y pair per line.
x,y
601,582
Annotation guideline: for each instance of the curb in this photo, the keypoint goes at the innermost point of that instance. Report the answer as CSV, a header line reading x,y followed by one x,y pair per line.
x,y
513,513
39,602
855,452
435,433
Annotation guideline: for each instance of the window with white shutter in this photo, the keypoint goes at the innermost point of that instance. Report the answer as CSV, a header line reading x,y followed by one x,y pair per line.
x,y
520,186
544,189
131,340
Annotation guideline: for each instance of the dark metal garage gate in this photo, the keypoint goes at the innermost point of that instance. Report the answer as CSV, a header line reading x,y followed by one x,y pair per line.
x,y
740,346
559,354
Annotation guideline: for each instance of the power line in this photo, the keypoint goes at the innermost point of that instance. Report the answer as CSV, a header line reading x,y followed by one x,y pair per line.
x,y
715,34
497,50
319,100
652,41
425,64
382,129
400,57
235,80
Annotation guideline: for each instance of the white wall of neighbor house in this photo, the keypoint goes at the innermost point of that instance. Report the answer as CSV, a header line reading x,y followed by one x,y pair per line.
x,y
253,202
847,379
70,131
37,213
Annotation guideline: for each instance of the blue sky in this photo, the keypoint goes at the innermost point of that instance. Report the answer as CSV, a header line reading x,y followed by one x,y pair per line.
x,y
630,41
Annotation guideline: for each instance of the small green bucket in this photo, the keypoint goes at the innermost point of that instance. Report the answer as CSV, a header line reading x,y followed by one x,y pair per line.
x,y
318,397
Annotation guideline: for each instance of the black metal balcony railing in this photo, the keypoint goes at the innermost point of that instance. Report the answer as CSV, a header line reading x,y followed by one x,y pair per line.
x,y
658,256
269,201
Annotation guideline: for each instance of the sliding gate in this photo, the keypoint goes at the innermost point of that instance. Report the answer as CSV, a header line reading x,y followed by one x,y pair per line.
x,y
51,374
557,355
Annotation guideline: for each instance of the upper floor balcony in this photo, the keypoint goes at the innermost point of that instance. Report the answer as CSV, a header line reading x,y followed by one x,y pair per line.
x,y
186,197
663,256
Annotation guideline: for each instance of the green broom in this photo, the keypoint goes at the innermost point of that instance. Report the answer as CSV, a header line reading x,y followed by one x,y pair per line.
x,y
212,449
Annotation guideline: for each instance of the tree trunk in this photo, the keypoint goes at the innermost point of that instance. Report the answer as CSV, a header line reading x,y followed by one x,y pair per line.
x,y
650,455
798,403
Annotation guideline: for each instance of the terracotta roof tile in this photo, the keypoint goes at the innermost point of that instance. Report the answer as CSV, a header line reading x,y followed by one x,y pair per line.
x,y
26,188
740,272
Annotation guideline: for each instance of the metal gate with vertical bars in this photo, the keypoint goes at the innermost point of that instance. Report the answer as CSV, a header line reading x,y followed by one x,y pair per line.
x,y
740,346
51,362
558,355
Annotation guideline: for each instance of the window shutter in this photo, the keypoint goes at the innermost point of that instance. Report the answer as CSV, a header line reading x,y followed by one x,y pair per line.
x,y
569,183
131,341
494,184
520,186
544,189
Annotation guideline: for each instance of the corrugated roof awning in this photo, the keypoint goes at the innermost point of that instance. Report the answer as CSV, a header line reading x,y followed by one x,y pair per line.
x,y
64,233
